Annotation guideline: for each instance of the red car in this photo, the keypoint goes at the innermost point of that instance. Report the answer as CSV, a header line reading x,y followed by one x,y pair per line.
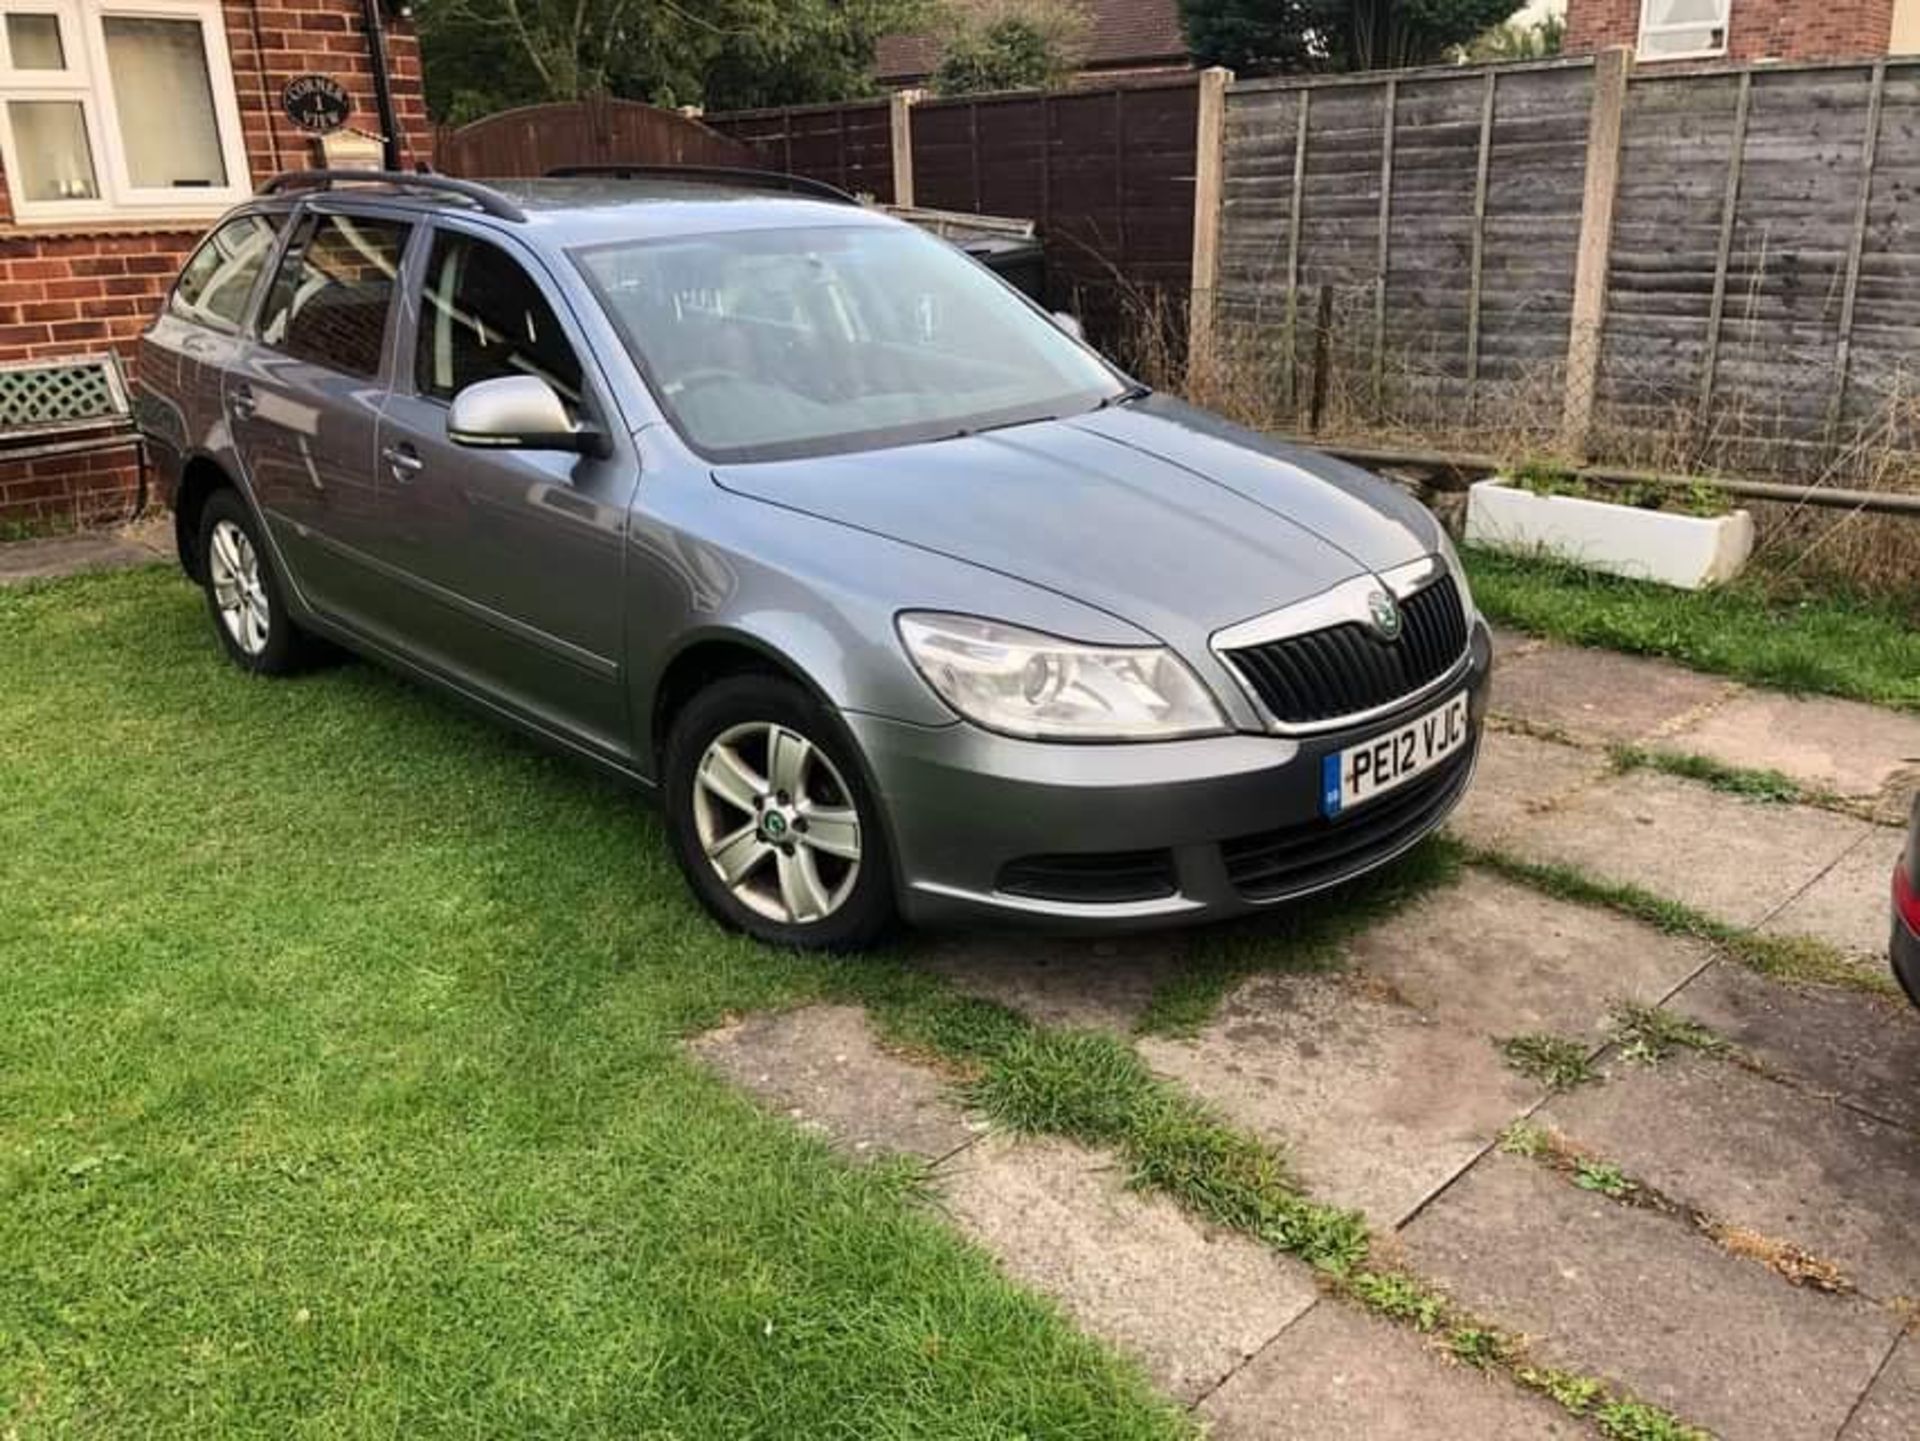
x,y
1906,911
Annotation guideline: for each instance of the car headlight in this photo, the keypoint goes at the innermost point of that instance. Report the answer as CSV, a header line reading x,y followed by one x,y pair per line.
x,y
1024,683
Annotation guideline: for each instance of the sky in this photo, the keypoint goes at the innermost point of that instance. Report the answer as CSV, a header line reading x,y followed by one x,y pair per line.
x,y
1540,9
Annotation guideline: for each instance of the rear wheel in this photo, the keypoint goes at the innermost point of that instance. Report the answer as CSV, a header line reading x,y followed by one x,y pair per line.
x,y
244,595
771,819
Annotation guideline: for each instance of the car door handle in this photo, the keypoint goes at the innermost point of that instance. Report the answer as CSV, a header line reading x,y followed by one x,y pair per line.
x,y
242,401
403,461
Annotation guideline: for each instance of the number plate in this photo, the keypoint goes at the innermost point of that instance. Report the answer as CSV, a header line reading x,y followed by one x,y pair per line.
x,y
1356,775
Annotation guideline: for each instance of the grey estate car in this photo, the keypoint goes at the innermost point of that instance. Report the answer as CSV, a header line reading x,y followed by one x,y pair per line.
x,y
898,597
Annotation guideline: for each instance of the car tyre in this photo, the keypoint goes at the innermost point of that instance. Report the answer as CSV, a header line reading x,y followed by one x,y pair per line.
x,y
245,599
772,820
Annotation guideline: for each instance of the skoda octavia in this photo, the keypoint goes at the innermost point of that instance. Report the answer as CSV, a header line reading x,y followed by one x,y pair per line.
x,y
900,599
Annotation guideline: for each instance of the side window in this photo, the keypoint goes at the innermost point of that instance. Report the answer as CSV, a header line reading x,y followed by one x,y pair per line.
x,y
482,317
332,293
214,286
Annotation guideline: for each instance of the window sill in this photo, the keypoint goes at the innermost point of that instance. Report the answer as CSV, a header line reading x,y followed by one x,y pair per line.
x,y
107,225
1668,57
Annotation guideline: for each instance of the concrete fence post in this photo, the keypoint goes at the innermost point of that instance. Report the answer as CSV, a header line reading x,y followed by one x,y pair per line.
x,y
1209,196
1611,72
900,122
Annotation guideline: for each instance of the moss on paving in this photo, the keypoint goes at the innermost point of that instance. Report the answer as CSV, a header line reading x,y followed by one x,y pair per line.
x,y
1826,644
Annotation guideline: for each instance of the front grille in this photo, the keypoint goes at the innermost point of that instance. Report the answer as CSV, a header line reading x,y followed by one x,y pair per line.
x,y
1319,852
1348,669
1101,879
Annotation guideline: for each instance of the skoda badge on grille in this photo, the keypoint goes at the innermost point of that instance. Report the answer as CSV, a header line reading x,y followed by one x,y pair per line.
x,y
1384,612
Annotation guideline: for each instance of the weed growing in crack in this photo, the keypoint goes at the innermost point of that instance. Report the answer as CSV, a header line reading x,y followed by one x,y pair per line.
x,y
1649,1034
1766,786
1604,1177
1400,1296
1787,958
1575,1393
1637,1421
1556,1060
1478,1347
1526,1140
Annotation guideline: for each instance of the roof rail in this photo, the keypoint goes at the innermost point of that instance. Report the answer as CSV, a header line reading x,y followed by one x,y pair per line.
x,y
484,196
710,174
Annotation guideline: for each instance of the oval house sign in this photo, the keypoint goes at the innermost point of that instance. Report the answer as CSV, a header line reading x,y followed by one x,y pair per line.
x,y
318,104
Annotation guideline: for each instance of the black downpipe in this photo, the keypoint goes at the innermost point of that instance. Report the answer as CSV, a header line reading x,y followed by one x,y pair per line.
x,y
382,86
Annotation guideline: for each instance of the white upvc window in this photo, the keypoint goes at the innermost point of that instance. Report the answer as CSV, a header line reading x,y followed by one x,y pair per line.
x,y
118,109
1683,29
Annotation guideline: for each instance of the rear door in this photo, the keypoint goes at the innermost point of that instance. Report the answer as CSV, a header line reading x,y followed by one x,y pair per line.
x,y
185,353
513,558
304,402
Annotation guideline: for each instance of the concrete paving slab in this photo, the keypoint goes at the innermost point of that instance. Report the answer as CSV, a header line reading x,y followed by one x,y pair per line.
x,y
1340,1375
1848,907
1377,1104
1737,860
1518,777
1641,1300
1190,1302
1836,745
1762,1155
1501,959
1891,1410
1602,695
141,542
1841,1043
821,1066
1056,980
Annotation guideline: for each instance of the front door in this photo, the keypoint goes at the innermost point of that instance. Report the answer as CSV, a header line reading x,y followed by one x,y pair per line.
x,y
304,402
514,557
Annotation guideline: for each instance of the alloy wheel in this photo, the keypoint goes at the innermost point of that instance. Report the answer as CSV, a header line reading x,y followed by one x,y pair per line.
x,y
777,823
239,589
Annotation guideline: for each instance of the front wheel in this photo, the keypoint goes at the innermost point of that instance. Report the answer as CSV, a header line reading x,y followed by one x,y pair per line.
x,y
771,819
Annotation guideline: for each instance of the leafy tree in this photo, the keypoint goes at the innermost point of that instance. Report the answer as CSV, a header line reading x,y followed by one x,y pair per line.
x,y
1260,37
480,56
1514,41
1013,45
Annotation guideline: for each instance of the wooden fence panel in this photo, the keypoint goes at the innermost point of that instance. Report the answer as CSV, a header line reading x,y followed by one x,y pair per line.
x,y
533,139
1883,397
1107,174
849,145
1440,208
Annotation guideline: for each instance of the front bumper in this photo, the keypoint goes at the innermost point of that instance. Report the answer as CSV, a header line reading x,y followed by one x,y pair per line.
x,y
1231,823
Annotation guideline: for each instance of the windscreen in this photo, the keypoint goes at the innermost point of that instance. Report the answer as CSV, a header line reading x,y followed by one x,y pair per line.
x,y
768,344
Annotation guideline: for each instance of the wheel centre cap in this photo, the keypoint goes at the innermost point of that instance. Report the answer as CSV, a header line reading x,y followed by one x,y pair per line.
x,y
775,824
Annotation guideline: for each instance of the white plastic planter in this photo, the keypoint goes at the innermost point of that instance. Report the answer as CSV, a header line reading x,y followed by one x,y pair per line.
x,y
1688,551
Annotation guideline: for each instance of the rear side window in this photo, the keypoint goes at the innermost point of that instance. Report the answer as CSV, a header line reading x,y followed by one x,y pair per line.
x,y
214,287
482,317
334,289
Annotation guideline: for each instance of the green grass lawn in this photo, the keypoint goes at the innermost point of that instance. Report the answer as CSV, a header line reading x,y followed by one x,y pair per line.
x,y
1824,644
340,1093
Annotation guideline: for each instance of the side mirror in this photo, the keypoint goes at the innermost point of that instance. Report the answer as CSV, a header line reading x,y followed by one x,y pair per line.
x,y
1070,324
517,412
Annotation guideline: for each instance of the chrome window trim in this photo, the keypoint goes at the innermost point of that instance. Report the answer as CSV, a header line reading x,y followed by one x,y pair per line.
x,y
1341,604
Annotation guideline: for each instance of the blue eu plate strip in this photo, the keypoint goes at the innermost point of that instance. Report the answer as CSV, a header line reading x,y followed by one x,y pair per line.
x,y
1330,785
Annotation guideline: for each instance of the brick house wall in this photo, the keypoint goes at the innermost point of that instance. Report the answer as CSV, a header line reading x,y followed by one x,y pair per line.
x,y
83,288
1757,29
